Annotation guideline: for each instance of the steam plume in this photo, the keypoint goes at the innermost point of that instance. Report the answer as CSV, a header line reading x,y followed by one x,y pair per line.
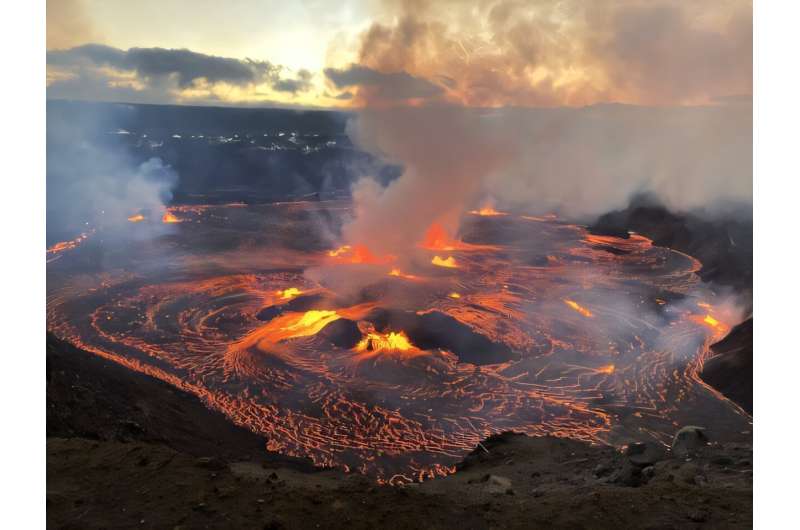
x,y
94,182
693,149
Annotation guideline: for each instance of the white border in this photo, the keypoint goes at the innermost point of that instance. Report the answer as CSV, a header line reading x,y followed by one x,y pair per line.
x,y
22,296
777,260
776,210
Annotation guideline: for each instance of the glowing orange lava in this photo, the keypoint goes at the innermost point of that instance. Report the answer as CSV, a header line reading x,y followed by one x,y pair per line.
x,y
392,341
436,238
288,294
718,327
449,262
344,249
169,218
360,254
579,308
310,323
487,211
138,218
608,369
376,402
67,245
397,273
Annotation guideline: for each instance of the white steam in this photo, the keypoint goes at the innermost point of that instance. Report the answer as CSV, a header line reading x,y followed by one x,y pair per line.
x,y
578,162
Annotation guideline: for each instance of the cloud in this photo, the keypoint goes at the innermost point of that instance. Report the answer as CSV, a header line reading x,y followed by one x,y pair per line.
x,y
68,24
95,183
158,74
577,162
300,84
525,117
386,86
566,52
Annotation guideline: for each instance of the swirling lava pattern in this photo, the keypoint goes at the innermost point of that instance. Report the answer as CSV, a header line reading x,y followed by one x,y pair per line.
x,y
604,336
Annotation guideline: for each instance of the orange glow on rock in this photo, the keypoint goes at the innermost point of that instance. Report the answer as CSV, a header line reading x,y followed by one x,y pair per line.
x,y
138,218
169,218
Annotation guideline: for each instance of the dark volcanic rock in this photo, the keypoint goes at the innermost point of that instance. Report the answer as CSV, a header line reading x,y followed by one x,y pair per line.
x,y
689,441
438,330
723,243
343,333
731,369
270,312
644,454
91,397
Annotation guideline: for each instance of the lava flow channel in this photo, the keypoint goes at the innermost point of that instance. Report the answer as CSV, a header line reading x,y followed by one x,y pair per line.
x,y
550,331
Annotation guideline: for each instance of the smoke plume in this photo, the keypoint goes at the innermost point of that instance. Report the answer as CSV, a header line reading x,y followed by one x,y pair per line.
x,y
503,124
93,182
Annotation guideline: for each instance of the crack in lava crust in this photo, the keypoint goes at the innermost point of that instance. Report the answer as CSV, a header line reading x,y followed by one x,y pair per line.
x,y
606,335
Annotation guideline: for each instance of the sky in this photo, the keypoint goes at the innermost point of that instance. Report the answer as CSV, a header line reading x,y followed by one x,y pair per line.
x,y
373,53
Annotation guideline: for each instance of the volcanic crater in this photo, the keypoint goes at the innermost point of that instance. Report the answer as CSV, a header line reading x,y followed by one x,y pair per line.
x,y
396,366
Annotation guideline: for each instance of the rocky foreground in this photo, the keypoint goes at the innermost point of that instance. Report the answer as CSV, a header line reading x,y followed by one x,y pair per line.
x,y
127,451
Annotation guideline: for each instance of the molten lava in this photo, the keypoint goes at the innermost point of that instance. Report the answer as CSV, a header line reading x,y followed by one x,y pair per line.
x,y
392,341
138,218
608,369
449,262
344,249
495,346
579,308
397,273
310,323
487,211
436,238
288,294
169,218
360,254
61,246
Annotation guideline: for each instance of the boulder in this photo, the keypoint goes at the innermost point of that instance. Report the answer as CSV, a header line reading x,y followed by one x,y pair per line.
x,y
628,475
497,484
689,440
644,454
